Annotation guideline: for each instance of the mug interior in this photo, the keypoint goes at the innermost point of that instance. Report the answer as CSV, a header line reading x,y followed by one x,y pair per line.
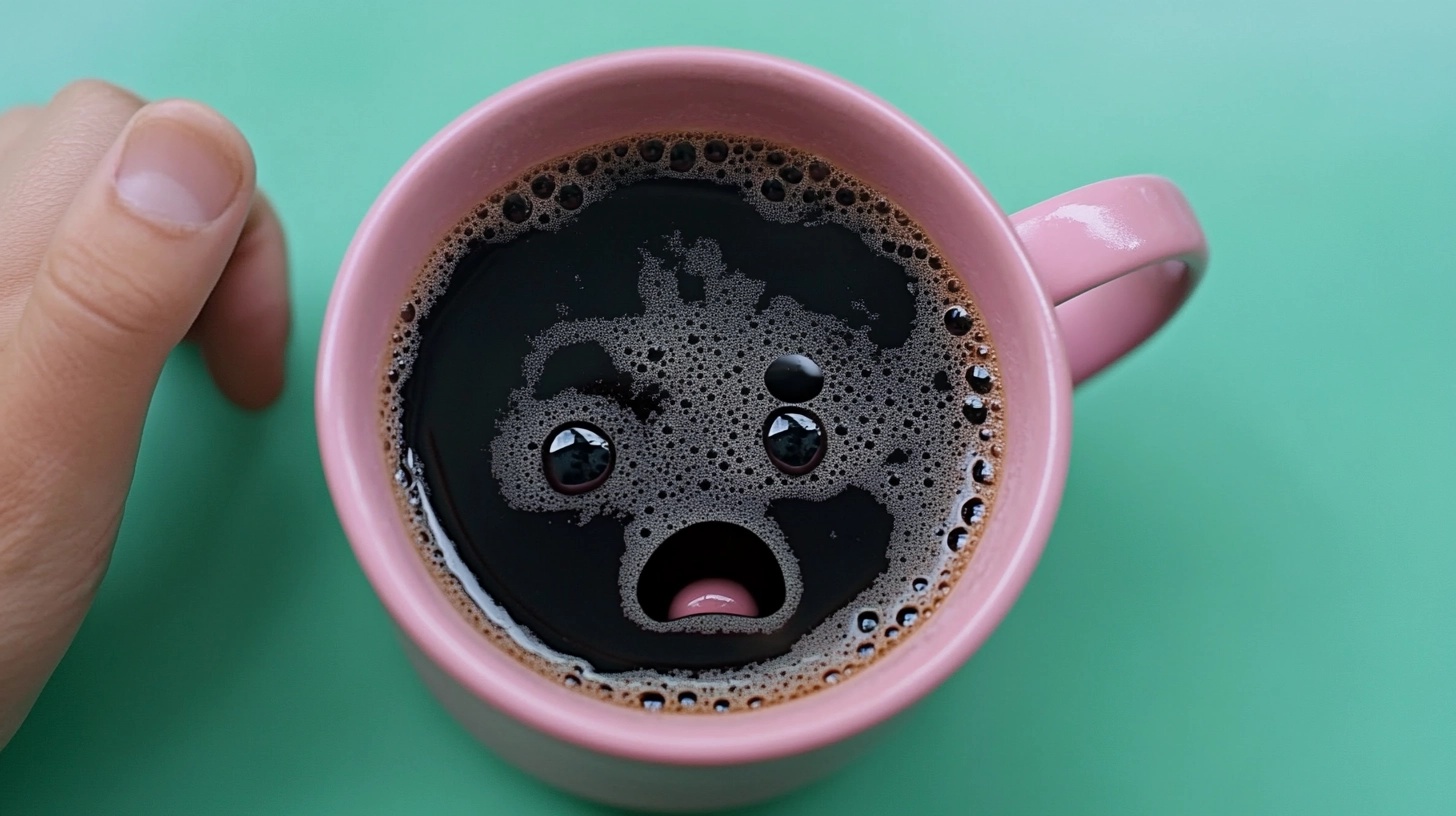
x,y
690,89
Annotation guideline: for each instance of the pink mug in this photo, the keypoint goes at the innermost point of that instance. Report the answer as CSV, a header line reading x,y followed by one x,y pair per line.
x,y
1067,287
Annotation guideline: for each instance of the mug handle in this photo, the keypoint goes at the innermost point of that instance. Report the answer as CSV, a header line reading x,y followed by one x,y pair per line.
x,y
1117,258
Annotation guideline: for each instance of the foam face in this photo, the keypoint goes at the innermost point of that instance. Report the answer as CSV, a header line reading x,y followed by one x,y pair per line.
x,y
696,437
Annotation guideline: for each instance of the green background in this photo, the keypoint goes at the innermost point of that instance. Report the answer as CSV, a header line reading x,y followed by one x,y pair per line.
x,y
1247,605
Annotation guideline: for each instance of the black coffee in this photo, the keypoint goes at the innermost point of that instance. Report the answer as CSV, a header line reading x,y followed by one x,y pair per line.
x,y
685,357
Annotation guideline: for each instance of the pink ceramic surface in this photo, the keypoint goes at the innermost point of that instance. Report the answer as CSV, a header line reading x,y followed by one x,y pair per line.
x,y
1066,247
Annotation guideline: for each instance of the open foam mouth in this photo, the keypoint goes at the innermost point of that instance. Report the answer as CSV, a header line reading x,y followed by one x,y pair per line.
x,y
711,567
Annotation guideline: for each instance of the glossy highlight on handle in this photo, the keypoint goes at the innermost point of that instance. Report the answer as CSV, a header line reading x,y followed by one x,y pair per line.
x,y
1118,258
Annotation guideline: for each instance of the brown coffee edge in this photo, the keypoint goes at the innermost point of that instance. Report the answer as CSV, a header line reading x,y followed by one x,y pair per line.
x,y
434,273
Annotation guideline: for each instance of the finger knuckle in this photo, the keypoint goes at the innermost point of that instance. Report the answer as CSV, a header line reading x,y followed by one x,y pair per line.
x,y
99,292
88,92
20,114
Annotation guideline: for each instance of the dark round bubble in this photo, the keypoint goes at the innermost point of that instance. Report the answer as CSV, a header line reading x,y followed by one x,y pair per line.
x,y
652,701
773,189
407,312
569,196
794,378
721,706
620,150
683,157
818,171
908,615
794,440
975,409
516,208
980,379
651,150
687,699
543,186
715,151
844,196
866,650
791,174
983,471
973,511
957,539
867,621
774,157
577,458
586,165
957,321
919,584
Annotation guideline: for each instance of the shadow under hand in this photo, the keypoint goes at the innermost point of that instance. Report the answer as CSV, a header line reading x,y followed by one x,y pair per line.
x,y
188,595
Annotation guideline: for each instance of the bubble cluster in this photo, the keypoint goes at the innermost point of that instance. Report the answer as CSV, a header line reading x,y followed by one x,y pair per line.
x,y
767,403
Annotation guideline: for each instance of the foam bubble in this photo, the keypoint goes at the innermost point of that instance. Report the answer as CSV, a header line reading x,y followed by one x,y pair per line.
x,y
938,392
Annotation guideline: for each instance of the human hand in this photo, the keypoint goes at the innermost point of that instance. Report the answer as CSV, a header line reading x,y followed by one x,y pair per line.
x,y
124,227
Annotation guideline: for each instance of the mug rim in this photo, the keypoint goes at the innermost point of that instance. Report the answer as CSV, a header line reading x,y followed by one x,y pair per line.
x,y
784,729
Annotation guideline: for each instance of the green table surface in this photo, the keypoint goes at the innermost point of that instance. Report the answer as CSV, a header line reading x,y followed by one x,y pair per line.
x,y
1247,605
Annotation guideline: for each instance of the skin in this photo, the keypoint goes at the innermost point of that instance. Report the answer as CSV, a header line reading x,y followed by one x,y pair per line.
x,y
94,294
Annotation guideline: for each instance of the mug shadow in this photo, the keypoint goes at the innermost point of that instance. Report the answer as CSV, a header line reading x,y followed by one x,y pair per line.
x,y
1162,583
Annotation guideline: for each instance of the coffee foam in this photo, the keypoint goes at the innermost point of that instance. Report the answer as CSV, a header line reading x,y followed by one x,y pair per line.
x,y
704,446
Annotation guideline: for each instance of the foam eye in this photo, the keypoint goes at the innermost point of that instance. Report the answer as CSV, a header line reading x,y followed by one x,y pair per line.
x,y
794,440
577,457
794,378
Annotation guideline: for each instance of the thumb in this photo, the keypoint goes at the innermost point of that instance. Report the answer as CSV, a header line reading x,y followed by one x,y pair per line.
x,y
128,269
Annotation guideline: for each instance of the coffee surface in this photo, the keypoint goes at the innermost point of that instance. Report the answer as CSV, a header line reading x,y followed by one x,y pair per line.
x,y
682,357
